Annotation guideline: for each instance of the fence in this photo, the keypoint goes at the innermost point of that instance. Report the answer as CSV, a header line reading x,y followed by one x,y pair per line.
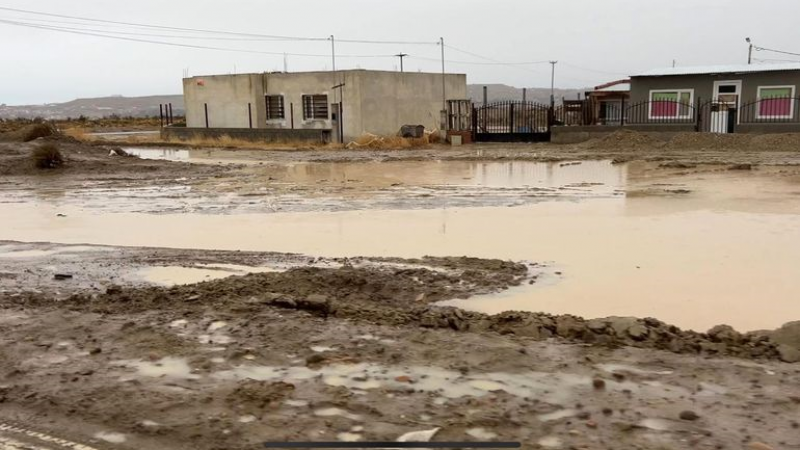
x,y
707,116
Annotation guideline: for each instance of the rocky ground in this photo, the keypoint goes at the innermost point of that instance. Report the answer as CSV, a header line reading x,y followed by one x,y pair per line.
x,y
357,350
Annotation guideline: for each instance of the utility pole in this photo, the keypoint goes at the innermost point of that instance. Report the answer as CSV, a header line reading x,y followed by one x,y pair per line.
x,y
333,65
749,52
444,87
553,83
285,63
401,55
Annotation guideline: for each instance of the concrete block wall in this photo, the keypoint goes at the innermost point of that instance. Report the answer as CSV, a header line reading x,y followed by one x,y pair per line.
x,y
377,102
312,136
227,97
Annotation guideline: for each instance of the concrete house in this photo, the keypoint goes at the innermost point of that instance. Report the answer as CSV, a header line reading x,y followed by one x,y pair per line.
x,y
608,102
720,99
339,106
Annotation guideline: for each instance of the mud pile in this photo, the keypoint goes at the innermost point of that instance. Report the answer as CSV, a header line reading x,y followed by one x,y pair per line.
x,y
786,142
404,297
710,141
82,158
624,140
29,133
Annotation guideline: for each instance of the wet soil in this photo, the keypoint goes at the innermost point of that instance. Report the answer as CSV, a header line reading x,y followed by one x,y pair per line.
x,y
215,379
360,348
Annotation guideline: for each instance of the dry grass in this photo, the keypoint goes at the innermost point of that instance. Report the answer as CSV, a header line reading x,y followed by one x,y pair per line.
x,y
47,156
374,142
367,141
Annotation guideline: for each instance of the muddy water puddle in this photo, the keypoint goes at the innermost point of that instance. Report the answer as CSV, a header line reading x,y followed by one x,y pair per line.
x,y
725,251
311,187
556,388
181,275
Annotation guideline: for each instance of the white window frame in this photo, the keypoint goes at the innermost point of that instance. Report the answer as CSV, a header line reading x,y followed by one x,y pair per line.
x,y
791,105
679,92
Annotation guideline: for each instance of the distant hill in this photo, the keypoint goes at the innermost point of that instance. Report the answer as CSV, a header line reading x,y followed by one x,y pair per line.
x,y
502,92
148,106
96,108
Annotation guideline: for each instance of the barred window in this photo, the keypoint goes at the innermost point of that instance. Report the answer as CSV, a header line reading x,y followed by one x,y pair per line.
x,y
275,108
315,107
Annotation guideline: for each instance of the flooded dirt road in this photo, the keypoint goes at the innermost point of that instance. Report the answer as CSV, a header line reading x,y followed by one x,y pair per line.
x,y
105,346
691,246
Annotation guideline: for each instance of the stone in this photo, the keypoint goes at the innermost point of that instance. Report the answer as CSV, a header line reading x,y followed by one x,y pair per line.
x,y
789,334
315,359
569,327
690,416
591,424
789,354
620,325
599,384
597,325
724,333
638,332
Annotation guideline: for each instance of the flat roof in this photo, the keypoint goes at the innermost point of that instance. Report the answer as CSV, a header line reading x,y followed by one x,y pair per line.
x,y
729,68
312,72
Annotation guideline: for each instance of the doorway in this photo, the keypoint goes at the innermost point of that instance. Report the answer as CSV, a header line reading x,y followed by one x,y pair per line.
x,y
725,108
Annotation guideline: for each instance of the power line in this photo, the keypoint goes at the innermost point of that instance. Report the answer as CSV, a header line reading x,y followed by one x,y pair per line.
x,y
775,51
176,44
475,63
218,32
128,33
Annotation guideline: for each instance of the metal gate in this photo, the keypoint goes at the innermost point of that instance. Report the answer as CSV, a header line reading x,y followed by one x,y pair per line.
x,y
512,121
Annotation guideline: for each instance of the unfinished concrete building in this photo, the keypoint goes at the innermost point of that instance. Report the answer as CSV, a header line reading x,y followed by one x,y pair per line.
x,y
341,106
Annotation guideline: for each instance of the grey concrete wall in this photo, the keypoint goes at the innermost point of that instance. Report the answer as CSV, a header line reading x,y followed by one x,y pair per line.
x,y
575,135
293,86
376,102
703,85
390,100
318,136
227,97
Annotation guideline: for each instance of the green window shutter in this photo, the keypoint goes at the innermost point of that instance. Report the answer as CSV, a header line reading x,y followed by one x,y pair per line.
x,y
776,92
665,96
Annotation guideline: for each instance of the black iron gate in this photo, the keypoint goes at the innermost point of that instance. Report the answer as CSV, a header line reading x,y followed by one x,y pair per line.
x,y
512,121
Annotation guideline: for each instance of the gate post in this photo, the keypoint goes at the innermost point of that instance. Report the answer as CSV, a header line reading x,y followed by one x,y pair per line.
x,y
699,119
733,114
474,123
511,117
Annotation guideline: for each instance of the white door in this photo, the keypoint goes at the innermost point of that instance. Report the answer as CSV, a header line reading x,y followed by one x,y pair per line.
x,y
727,95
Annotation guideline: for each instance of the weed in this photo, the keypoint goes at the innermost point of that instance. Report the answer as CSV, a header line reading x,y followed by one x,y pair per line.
x,y
47,156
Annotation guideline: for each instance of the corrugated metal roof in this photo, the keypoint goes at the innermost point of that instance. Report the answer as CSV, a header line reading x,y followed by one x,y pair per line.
x,y
732,68
621,87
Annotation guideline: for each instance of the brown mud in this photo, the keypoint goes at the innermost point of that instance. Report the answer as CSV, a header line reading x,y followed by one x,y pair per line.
x,y
359,348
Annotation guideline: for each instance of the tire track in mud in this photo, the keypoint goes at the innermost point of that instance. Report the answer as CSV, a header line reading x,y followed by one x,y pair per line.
x,y
18,438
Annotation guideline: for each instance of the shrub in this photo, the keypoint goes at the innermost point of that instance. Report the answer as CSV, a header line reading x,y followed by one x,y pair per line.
x,y
47,156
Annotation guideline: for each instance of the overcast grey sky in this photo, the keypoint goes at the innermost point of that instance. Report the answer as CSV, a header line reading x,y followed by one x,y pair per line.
x,y
611,38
